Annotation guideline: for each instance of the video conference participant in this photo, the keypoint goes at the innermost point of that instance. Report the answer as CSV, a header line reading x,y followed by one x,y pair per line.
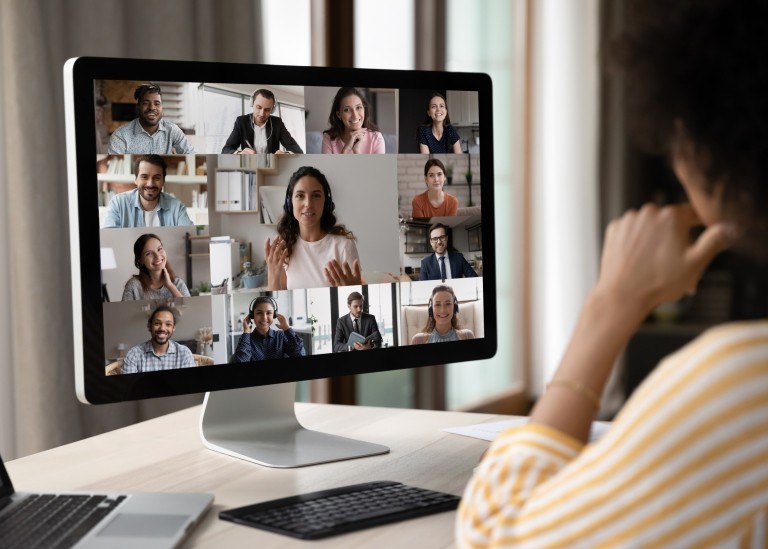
x,y
260,341
352,131
436,134
146,205
356,321
434,202
443,320
261,131
156,279
160,352
150,133
310,249
443,264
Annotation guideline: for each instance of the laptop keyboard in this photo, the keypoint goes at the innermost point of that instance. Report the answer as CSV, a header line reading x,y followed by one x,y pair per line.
x,y
53,521
340,510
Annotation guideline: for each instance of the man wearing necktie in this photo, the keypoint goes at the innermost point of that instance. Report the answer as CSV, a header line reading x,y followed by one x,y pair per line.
x,y
357,331
444,263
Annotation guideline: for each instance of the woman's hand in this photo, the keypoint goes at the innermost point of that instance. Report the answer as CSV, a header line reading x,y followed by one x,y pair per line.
x,y
353,143
649,257
275,254
168,283
282,322
247,325
343,275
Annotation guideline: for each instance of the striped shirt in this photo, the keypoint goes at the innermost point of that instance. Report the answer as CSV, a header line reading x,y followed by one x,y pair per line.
x,y
685,464
142,358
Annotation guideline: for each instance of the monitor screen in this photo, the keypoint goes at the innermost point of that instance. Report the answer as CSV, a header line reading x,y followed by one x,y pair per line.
x,y
236,226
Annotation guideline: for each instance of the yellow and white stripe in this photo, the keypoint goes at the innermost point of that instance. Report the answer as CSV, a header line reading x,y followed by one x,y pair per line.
x,y
685,464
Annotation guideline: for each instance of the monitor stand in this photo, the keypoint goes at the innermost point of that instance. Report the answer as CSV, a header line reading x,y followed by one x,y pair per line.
x,y
259,424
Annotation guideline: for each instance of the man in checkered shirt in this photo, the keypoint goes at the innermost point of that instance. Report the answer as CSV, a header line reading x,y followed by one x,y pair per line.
x,y
159,353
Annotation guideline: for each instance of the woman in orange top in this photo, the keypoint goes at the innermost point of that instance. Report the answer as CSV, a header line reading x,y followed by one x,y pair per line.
x,y
434,202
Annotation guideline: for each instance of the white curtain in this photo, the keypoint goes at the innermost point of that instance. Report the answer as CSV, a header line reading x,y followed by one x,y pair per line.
x,y
38,407
564,180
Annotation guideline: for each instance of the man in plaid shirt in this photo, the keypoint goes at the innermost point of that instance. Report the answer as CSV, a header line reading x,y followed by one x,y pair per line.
x,y
159,353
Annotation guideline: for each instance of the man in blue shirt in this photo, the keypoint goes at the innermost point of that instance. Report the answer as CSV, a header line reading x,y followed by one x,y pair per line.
x,y
147,205
149,133
159,353
260,341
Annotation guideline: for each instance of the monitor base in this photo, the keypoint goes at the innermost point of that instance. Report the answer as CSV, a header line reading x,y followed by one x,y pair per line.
x,y
259,424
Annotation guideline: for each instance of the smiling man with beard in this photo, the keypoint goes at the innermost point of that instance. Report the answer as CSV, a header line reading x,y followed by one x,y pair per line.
x,y
146,205
159,353
149,133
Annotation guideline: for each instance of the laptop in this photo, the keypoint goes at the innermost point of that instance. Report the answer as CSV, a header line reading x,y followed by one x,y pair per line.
x,y
96,520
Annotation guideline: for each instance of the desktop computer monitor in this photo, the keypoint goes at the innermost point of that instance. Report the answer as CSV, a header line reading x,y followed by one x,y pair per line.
x,y
208,203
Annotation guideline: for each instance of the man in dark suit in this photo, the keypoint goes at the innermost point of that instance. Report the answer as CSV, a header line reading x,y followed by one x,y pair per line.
x,y
443,264
260,131
359,322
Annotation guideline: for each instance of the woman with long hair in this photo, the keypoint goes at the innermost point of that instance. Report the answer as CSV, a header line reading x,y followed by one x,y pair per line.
x,y
442,320
434,202
156,279
436,134
310,249
351,129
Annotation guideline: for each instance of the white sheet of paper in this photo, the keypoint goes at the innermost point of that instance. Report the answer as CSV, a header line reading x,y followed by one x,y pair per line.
x,y
489,431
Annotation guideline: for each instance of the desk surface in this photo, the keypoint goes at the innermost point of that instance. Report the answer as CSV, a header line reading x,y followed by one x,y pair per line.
x,y
166,454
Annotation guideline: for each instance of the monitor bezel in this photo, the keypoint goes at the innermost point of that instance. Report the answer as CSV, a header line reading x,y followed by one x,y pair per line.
x,y
92,385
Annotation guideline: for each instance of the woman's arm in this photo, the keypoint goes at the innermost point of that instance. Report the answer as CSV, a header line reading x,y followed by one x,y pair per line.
x,y
170,284
647,259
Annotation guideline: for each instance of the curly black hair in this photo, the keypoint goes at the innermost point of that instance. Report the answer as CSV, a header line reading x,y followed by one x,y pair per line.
x,y
696,70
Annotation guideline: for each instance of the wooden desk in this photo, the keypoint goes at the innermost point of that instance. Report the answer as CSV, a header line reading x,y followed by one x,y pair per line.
x,y
166,454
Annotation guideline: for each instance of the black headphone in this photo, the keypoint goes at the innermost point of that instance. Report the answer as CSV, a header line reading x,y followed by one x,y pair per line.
x,y
328,205
455,307
261,299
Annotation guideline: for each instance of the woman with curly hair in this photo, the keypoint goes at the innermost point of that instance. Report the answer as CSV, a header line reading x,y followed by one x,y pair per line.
x,y
310,249
352,131
685,463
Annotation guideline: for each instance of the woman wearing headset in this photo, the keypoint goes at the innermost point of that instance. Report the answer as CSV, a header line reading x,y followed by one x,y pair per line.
x,y
260,341
310,250
443,322
156,279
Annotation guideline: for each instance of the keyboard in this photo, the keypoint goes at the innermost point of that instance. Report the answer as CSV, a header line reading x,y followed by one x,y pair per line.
x,y
53,521
340,510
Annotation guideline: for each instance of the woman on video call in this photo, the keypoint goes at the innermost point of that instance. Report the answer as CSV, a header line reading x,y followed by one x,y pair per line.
x,y
352,131
434,202
260,340
443,321
156,279
436,134
685,462
310,249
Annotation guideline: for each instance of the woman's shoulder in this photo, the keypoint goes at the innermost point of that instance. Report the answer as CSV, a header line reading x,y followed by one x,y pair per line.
x,y
465,333
419,338
726,359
